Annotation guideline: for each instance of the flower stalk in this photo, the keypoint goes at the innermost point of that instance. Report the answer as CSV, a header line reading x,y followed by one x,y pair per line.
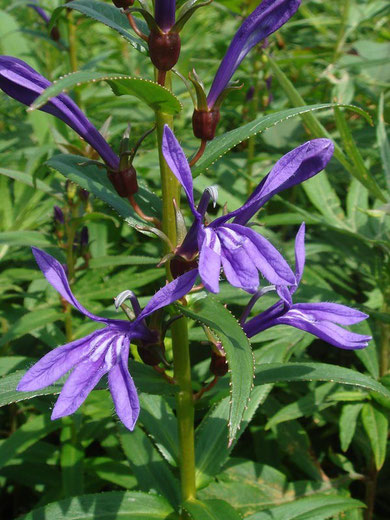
x,y
180,344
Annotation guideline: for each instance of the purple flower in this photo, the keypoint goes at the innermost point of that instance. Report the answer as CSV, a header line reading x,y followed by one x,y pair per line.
x,y
42,13
239,249
103,351
267,18
164,14
320,319
23,83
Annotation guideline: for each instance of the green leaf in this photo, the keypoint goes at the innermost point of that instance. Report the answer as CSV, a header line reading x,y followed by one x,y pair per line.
x,y
149,467
71,457
113,471
94,180
310,508
128,505
104,13
154,95
383,141
210,510
24,238
212,313
376,424
223,143
318,130
278,372
30,322
322,195
29,181
27,435
347,424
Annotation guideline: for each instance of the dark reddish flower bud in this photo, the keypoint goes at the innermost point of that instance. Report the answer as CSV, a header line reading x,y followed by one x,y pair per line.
x,y
125,181
164,49
84,237
152,354
124,4
55,34
204,123
83,194
58,215
218,366
179,265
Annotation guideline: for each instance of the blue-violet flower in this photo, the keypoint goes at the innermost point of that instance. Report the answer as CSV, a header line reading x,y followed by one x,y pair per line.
x,y
103,351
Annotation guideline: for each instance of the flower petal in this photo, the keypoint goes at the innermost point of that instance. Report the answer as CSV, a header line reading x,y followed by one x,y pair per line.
x,y
79,384
295,167
267,18
238,265
210,261
169,294
265,256
55,364
123,391
334,312
23,83
177,161
164,13
299,255
328,332
55,275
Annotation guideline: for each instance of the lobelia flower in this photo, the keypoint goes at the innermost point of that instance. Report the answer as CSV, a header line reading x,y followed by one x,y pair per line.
x,y
320,319
164,14
267,18
23,83
103,351
240,250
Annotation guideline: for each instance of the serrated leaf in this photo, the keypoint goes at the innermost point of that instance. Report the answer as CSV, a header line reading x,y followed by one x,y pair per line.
x,y
210,510
278,372
347,424
212,313
104,13
376,424
94,180
223,143
129,505
310,508
153,94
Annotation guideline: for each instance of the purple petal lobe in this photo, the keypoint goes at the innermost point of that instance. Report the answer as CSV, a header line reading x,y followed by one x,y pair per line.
x,y
334,312
23,83
299,253
79,384
55,364
164,13
267,18
265,256
170,293
238,265
177,161
123,391
295,167
42,13
55,275
210,261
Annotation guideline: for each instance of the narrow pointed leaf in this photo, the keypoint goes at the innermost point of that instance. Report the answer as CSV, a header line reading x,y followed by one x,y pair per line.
x,y
210,510
376,424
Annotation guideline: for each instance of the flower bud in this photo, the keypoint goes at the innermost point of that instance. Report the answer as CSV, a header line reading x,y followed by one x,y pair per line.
x,y
164,49
218,366
55,34
152,354
124,181
204,123
124,4
58,215
83,194
179,265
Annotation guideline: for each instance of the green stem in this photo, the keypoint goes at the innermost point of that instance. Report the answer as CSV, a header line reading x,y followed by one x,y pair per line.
x,y
385,344
252,140
343,34
180,344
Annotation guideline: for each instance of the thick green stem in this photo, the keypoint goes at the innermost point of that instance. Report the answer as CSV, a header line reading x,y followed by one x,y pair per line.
x,y
72,45
180,345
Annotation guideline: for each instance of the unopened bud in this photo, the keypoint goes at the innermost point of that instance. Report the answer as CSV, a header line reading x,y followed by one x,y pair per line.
x,y
218,366
204,123
55,34
164,49
83,194
152,354
58,215
180,265
124,4
125,181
